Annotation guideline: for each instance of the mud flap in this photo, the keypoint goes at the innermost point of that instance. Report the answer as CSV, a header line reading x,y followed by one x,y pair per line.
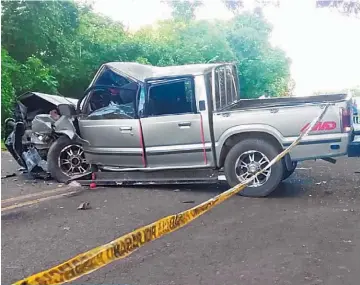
x,y
354,149
288,162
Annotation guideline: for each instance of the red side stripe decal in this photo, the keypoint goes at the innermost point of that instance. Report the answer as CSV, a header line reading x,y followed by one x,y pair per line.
x,y
203,138
142,144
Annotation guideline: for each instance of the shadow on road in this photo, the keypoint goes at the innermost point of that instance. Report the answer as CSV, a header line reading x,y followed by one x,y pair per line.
x,y
289,188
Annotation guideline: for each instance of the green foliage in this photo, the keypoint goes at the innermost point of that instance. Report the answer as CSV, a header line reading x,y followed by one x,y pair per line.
x,y
40,28
34,75
57,46
8,68
262,68
184,9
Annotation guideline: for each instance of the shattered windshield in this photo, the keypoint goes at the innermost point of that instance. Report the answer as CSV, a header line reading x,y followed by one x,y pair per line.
x,y
114,111
114,99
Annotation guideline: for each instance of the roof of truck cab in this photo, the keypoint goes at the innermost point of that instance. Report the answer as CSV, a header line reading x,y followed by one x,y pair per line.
x,y
142,71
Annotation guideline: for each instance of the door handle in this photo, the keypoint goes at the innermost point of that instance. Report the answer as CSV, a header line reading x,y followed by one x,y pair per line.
x,y
184,124
125,129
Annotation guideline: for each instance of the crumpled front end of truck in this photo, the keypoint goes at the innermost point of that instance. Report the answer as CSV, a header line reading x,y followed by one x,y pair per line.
x,y
27,149
30,132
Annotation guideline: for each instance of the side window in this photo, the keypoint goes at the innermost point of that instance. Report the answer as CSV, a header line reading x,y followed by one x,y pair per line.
x,y
225,86
171,98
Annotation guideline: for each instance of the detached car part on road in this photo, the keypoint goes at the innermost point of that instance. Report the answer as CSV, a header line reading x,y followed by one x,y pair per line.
x,y
142,124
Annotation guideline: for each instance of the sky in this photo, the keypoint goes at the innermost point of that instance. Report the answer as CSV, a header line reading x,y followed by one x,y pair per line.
x,y
322,44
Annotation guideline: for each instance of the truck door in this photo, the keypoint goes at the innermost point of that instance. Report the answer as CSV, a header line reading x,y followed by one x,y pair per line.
x,y
172,126
112,128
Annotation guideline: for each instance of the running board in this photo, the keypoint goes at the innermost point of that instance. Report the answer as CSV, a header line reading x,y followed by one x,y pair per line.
x,y
160,177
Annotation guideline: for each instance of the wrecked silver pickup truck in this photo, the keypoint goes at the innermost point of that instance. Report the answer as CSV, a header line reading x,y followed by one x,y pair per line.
x,y
142,124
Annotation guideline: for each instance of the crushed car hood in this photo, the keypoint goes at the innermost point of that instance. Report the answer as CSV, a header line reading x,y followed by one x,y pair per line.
x,y
31,104
53,99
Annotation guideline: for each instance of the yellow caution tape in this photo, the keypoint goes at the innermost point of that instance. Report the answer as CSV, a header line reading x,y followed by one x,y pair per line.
x,y
96,258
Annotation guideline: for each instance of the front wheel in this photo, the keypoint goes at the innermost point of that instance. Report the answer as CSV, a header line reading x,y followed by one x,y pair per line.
x,y
66,159
247,158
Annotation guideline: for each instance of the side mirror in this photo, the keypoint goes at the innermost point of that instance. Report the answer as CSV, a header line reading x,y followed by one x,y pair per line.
x,y
67,110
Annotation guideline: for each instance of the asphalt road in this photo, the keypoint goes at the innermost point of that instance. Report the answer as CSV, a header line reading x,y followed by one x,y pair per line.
x,y
307,232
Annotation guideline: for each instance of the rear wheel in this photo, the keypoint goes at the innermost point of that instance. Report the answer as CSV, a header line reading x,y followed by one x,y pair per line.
x,y
66,159
247,158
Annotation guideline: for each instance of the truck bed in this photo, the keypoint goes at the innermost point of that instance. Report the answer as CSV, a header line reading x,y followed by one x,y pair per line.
x,y
285,101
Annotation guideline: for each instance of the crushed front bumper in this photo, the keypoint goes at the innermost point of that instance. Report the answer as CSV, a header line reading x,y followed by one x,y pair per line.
x,y
27,157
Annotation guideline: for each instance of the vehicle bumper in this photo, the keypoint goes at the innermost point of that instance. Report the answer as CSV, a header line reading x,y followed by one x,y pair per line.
x,y
321,146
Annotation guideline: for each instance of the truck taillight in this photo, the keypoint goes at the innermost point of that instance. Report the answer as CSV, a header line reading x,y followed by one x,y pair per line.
x,y
346,120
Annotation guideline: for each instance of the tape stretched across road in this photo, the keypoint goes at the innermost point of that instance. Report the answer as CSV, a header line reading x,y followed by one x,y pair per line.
x,y
96,258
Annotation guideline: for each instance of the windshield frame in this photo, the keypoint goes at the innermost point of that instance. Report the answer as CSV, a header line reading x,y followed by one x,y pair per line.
x,y
85,100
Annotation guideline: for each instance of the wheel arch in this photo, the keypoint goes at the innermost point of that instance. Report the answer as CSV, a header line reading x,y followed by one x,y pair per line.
x,y
233,139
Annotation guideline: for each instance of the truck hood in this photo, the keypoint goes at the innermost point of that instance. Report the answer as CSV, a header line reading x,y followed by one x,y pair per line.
x,y
53,99
31,104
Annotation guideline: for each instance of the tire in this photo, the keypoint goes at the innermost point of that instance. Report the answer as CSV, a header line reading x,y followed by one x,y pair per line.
x,y
288,173
56,151
258,146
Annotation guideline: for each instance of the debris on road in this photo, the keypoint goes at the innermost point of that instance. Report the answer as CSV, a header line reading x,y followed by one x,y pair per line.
x,y
74,184
188,202
84,206
222,178
8,175
23,170
93,183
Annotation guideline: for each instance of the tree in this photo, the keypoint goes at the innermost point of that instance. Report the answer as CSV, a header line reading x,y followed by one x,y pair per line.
x,y
8,68
97,39
184,9
34,75
57,46
349,8
261,66
44,28
346,7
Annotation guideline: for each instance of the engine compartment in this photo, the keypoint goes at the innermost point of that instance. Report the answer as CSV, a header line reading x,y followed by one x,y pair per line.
x,y
30,133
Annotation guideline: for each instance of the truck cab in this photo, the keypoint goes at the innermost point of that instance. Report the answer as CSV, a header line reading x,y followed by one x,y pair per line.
x,y
137,116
